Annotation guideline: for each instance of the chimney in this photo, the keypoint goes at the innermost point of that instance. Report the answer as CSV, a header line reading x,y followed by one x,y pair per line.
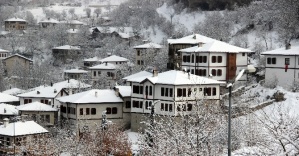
x,y
6,121
68,80
155,72
37,92
117,92
96,94
105,63
288,46
200,44
55,91
51,84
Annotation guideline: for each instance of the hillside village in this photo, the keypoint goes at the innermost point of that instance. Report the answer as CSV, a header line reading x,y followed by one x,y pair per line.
x,y
82,78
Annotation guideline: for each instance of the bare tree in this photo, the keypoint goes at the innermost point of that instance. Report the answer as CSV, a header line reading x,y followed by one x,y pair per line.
x,y
97,11
88,12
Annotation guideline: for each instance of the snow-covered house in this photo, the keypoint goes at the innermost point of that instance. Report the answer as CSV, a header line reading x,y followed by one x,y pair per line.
x,y
86,108
9,99
125,33
66,52
125,93
39,112
207,57
15,24
73,24
282,66
3,54
105,70
113,59
7,111
146,50
172,92
76,74
46,95
72,86
89,62
16,62
13,135
217,60
48,23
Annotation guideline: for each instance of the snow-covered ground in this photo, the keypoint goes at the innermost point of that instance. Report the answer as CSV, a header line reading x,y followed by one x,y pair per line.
x,y
133,138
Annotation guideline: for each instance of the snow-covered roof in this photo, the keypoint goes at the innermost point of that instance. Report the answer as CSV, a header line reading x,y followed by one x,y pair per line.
x,y
94,96
294,50
93,59
216,46
22,128
149,45
18,55
8,98
71,83
137,75
15,19
75,22
2,50
13,91
6,109
36,106
191,39
126,30
104,66
75,71
125,91
175,77
49,20
72,31
68,47
45,92
114,58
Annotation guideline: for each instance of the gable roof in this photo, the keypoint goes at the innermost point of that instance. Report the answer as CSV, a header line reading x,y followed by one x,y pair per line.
x,y
6,109
15,19
191,39
294,50
104,66
8,98
148,46
216,46
75,71
22,128
114,58
138,75
68,47
36,106
94,96
18,55
175,77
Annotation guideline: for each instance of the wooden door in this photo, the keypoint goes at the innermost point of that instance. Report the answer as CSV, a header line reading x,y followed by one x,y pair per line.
x,y
231,66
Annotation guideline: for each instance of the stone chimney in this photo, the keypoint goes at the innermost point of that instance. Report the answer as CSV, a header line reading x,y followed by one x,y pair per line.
x,y
96,94
200,44
5,122
37,92
55,91
288,46
106,63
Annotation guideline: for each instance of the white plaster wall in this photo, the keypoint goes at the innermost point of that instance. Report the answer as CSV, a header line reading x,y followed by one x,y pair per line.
x,y
280,61
285,79
242,60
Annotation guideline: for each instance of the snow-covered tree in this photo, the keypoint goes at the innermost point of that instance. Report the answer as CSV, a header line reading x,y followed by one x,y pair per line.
x,y
97,11
88,12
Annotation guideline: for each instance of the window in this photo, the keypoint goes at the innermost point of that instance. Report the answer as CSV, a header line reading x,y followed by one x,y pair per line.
x,y
148,105
166,107
61,93
243,54
27,101
271,60
192,58
138,62
217,72
108,110
47,118
162,106
99,73
162,91
207,91
45,101
93,111
186,58
135,104
63,109
219,58
170,92
287,61
136,89
128,104
179,92
114,110
140,104
94,73
138,53
214,91
81,111
189,107
170,107
216,59
166,91
151,90
201,72
87,111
